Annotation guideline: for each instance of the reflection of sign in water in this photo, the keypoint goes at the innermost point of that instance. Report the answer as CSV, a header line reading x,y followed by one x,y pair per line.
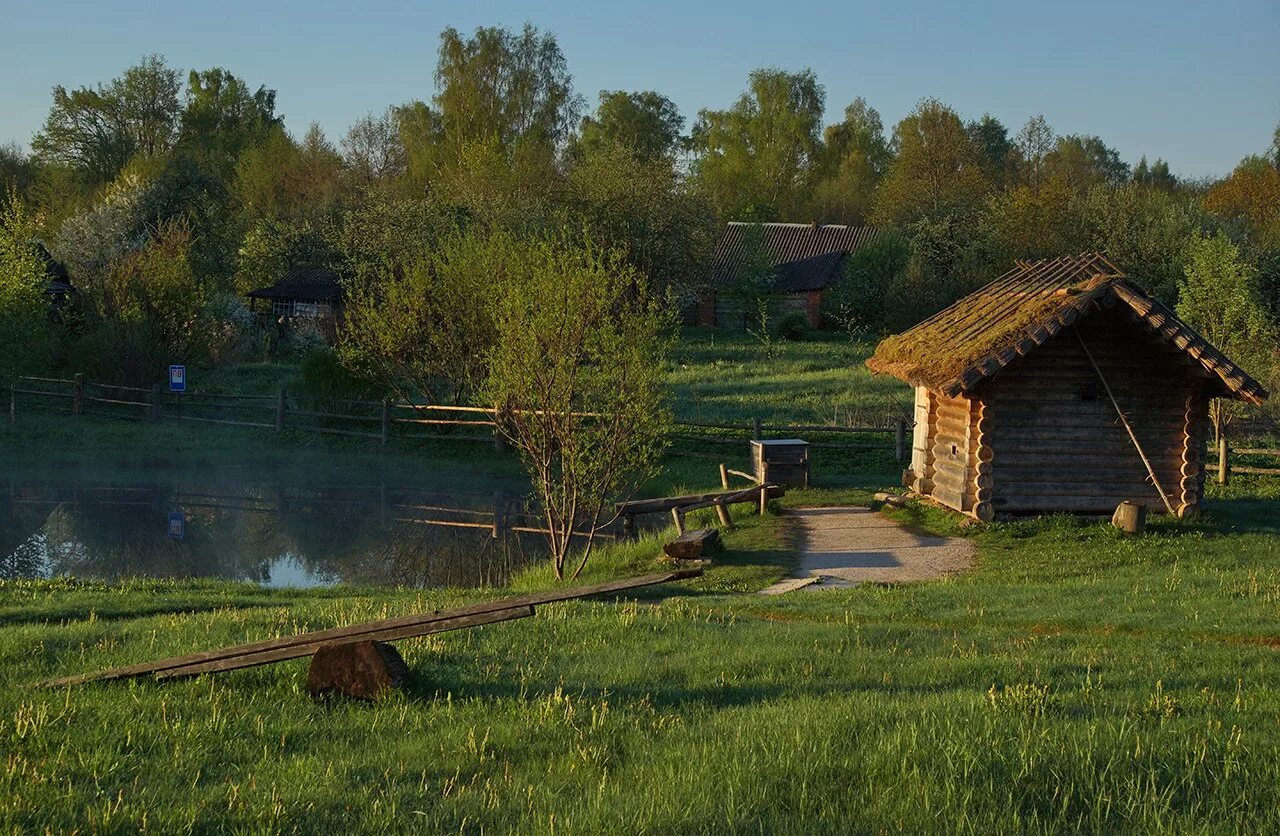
x,y
177,525
177,378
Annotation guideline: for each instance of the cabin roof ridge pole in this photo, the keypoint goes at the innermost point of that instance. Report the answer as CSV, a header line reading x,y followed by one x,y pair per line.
x,y
1155,481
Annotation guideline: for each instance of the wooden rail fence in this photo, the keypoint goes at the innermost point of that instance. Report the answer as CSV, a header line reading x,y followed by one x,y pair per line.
x,y
386,419
1225,467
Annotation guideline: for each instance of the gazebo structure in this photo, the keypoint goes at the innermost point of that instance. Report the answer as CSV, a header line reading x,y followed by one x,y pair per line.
x,y
1060,387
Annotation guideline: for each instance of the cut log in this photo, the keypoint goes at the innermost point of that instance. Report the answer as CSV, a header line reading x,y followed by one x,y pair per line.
x,y
363,670
694,544
1130,517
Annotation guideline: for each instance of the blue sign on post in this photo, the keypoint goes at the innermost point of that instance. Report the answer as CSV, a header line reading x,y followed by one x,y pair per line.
x,y
177,378
177,525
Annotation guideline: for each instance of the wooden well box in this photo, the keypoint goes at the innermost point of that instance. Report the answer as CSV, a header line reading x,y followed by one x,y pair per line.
x,y
782,461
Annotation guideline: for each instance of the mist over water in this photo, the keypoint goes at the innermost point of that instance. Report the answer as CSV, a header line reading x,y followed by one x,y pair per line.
x,y
271,532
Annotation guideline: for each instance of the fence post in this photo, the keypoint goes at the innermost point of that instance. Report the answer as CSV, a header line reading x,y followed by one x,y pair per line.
x,y
386,420
1224,467
280,407
724,477
899,441
764,500
499,514
77,399
155,401
499,441
756,434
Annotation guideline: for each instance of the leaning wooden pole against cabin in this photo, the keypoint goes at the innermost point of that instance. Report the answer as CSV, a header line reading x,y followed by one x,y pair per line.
x,y
1164,497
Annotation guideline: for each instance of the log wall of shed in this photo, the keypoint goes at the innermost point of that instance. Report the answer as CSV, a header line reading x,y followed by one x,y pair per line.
x,y
1053,436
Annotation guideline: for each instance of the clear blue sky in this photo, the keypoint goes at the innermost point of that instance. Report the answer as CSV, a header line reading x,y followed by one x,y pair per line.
x,y
1196,83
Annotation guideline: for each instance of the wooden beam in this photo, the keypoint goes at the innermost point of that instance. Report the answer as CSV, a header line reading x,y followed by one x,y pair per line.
x,y
423,623
1129,429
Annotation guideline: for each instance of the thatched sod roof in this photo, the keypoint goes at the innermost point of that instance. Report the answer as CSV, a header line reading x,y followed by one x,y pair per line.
x,y
975,338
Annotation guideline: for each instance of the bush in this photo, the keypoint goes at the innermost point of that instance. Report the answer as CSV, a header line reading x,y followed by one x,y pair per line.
x,y
794,327
857,301
325,381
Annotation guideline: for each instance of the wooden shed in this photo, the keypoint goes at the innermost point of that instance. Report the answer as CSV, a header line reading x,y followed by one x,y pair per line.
x,y
1060,387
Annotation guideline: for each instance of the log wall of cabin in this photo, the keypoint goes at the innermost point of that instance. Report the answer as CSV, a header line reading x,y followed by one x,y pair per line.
x,y
1054,439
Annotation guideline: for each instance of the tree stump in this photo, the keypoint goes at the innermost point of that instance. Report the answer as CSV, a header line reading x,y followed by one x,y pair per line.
x,y
363,670
1130,517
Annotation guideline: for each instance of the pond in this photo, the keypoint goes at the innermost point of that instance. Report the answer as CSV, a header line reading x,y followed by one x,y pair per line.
x,y
272,532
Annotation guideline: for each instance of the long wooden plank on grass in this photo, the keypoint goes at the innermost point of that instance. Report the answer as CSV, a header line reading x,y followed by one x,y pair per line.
x,y
359,631
297,651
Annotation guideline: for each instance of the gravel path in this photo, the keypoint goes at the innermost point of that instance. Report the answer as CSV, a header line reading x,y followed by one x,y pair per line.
x,y
848,546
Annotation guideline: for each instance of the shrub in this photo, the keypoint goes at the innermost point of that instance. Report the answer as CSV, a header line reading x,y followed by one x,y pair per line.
x,y
794,327
325,381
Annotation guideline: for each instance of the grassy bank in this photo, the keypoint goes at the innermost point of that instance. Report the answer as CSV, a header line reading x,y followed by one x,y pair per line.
x,y
1074,680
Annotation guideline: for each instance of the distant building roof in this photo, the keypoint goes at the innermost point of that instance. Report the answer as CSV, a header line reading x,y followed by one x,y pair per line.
x,y
55,271
804,256
306,282
979,335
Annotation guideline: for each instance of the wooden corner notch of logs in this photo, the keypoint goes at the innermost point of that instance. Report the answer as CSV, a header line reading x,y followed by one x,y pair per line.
x,y
355,660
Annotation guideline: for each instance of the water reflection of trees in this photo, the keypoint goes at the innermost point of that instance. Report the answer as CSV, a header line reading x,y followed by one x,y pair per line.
x,y
240,531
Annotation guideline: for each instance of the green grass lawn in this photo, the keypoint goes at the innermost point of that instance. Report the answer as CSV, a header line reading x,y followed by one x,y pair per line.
x,y
1073,680
729,376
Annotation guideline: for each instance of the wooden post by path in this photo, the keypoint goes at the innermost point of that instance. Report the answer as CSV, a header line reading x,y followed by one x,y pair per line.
x,y
1224,465
900,438
156,392
386,420
629,526
724,476
764,500
77,399
280,408
756,433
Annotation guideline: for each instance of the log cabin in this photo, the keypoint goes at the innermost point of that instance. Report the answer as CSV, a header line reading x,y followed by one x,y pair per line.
x,y
1062,386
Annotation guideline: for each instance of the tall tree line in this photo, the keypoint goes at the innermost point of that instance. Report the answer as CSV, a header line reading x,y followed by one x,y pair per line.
x,y
201,169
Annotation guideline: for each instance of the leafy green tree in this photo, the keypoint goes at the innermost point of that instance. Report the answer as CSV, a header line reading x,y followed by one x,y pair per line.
x,y
1033,144
421,132
424,330
1218,296
578,374
758,159
96,131
146,311
1085,161
1156,175
222,118
856,158
17,171
996,149
1250,197
642,208
373,149
1143,231
281,178
513,88
856,302
26,335
645,122
938,169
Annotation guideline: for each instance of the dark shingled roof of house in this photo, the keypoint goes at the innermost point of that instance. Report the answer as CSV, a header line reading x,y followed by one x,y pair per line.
x,y
306,282
804,256
975,338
